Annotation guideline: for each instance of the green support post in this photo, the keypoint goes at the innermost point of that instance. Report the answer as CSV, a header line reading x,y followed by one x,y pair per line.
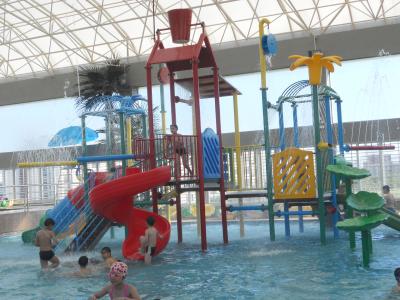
x,y
84,153
123,145
365,247
370,242
112,232
318,159
267,149
144,122
349,214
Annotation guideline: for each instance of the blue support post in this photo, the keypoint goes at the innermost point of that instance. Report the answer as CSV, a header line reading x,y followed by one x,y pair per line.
x,y
297,145
283,146
286,215
295,126
340,125
281,128
329,134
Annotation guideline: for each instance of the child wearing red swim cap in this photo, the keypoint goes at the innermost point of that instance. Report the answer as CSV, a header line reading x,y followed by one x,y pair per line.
x,y
118,289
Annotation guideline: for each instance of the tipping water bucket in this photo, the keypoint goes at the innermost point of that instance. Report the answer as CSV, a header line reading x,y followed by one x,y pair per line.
x,y
179,22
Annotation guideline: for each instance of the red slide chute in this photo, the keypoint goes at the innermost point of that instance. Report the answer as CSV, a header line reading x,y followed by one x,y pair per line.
x,y
114,201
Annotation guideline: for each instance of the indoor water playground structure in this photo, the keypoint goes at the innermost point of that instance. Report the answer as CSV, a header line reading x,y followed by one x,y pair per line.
x,y
304,170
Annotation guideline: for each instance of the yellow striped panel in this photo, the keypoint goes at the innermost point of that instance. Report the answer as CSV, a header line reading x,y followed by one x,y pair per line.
x,y
294,177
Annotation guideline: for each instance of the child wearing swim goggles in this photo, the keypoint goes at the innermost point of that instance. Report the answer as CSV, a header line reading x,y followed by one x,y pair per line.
x,y
118,289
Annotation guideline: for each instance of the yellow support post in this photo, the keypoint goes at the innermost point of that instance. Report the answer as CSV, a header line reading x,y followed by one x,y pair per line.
x,y
263,63
238,159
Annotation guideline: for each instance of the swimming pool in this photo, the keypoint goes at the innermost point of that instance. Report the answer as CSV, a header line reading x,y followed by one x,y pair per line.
x,y
247,268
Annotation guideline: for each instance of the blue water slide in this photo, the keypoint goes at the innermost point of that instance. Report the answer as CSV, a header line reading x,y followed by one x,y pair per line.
x,y
64,214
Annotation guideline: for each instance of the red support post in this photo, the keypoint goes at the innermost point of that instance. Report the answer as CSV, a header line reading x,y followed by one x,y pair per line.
x,y
196,96
151,133
176,164
172,94
221,162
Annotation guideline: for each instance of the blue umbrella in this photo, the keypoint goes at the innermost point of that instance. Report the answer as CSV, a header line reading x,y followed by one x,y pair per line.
x,y
71,136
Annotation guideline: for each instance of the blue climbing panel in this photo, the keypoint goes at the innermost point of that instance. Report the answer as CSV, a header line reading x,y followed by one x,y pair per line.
x,y
210,154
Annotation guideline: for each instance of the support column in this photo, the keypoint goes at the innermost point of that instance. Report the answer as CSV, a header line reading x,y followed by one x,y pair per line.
x,y
84,153
238,160
178,204
128,124
200,171
365,248
172,95
318,159
221,160
340,125
163,111
349,214
164,132
297,145
267,148
151,134
282,146
329,134
123,145
108,140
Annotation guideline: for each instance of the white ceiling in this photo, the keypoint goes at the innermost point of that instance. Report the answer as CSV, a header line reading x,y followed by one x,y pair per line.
x,y
45,35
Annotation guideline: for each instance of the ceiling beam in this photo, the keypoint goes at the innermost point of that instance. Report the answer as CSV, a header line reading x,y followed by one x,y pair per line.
x,y
233,58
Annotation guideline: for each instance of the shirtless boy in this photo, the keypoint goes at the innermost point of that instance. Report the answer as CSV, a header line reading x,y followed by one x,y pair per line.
x,y
148,242
45,240
107,257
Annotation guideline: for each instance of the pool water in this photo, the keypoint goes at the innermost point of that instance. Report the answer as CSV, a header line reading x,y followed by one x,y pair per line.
x,y
247,268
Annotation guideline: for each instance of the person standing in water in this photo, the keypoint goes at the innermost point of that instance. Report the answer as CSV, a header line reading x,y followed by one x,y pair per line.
x,y
390,201
46,240
148,242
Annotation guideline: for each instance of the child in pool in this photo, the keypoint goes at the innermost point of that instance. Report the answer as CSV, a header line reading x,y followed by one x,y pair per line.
x,y
84,271
390,201
107,257
148,242
117,290
397,276
46,240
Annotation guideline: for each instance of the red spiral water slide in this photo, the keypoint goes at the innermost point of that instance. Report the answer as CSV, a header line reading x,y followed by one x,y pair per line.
x,y
114,201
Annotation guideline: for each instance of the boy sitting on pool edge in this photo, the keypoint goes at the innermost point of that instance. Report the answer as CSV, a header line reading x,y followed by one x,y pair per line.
x,y
46,240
